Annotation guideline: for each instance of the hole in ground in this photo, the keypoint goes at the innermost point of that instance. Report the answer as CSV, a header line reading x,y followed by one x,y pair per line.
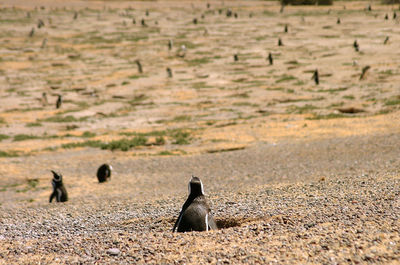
x,y
228,222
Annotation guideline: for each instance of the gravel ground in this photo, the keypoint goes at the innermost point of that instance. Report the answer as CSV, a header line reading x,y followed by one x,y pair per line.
x,y
330,201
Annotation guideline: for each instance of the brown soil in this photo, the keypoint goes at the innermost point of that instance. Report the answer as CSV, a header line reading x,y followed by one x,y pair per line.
x,y
291,179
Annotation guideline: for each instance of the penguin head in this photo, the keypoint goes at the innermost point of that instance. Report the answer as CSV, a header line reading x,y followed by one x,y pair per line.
x,y
56,177
195,187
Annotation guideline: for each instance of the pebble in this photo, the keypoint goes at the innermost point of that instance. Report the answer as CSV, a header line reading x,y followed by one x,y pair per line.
x,y
113,251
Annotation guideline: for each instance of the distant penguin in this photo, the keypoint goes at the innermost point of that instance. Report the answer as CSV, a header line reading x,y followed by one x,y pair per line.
x,y
143,22
195,21
235,57
181,52
75,15
139,66
59,191
59,101
286,30
316,77
364,71
44,99
169,72
104,173
270,59
356,46
394,15
280,43
32,32
386,17
170,44
40,24
338,21
44,42
196,213
386,40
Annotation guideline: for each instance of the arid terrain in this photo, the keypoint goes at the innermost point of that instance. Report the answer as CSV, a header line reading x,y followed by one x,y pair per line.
x,y
294,171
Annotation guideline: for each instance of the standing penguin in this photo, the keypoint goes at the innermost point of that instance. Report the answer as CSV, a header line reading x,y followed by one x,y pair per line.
x,y
59,191
270,59
196,213
104,173
59,102
316,77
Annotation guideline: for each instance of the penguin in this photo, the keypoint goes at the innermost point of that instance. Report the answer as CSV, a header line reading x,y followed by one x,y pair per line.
x,y
235,57
316,77
143,23
386,40
181,52
270,59
338,21
280,43
196,213
364,71
286,30
104,173
386,17
356,46
195,21
169,72
44,42
59,191
147,13
32,32
394,15
170,44
44,99
75,15
139,65
59,101
40,24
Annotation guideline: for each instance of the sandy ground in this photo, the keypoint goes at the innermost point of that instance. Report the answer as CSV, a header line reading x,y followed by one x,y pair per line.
x,y
291,175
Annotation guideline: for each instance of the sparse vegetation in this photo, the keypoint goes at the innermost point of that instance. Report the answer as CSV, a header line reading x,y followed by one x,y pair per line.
x,y
68,118
23,137
3,137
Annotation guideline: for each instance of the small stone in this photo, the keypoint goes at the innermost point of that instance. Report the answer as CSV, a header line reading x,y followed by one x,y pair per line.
x,y
113,252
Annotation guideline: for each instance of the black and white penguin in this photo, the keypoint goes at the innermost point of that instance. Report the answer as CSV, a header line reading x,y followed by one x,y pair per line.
x,y
59,101
169,72
270,59
356,46
196,213
139,66
316,77
59,191
104,173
